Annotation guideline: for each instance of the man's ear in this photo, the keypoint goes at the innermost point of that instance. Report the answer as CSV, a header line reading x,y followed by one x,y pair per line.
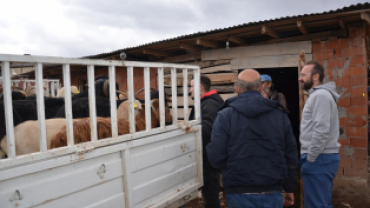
x,y
237,89
270,83
317,76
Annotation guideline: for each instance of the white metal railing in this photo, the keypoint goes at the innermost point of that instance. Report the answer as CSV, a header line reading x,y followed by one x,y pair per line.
x,y
51,85
44,153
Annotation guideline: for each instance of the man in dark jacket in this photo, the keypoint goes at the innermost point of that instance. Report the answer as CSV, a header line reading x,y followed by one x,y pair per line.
x,y
210,102
252,141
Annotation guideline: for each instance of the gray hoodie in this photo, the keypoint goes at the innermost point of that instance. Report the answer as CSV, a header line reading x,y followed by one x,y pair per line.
x,y
320,123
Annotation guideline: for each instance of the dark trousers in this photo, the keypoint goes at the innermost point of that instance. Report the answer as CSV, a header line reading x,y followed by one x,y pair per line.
x,y
211,188
318,180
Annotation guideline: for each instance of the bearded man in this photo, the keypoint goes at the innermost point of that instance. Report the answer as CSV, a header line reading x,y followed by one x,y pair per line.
x,y
270,92
319,137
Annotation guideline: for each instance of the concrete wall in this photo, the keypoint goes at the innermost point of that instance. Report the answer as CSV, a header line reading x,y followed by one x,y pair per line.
x,y
345,62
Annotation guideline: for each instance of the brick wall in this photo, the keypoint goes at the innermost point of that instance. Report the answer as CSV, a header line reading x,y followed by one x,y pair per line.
x,y
121,78
345,63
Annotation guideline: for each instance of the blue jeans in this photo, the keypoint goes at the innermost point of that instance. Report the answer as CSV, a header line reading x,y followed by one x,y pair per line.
x,y
268,200
318,180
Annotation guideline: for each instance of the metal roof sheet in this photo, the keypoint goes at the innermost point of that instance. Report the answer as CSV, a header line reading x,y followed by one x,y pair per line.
x,y
197,34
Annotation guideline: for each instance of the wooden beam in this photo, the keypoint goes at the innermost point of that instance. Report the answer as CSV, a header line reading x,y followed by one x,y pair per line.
x,y
207,43
365,17
266,61
301,27
182,58
258,50
180,99
236,39
268,31
342,24
189,47
155,52
219,88
216,79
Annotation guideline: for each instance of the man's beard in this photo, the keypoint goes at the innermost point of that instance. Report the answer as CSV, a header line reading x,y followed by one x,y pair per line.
x,y
267,90
307,85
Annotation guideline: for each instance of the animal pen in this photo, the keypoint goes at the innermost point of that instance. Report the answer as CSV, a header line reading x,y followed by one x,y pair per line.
x,y
156,167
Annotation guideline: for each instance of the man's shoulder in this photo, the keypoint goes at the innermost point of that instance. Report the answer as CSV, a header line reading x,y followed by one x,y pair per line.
x,y
321,94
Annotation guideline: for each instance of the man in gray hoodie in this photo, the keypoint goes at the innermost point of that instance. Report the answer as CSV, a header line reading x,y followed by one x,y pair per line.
x,y
319,137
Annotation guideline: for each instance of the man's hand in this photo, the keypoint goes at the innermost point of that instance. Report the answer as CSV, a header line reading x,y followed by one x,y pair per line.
x,y
288,199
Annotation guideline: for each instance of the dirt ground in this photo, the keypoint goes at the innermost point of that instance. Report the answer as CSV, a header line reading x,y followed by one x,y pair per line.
x,y
199,202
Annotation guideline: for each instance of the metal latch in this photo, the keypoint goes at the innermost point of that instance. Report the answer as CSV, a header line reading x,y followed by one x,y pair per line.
x,y
15,198
101,171
84,150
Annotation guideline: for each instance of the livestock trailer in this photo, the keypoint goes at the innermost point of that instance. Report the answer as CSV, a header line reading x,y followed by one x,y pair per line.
x,y
159,167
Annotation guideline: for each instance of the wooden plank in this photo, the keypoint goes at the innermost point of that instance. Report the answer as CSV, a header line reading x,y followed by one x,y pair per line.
x,y
189,47
365,17
342,24
301,62
180,111
180,99
287,48
219,88
267,61
206,64
182,58
301,27
222,68
268,31
155,52
216,79
236,39
207,43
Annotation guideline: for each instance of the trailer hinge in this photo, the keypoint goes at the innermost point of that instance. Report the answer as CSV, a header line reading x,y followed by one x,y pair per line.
x,y
84,150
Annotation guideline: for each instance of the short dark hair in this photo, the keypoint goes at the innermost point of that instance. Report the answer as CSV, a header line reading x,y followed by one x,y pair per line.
x,y
205,81
317,69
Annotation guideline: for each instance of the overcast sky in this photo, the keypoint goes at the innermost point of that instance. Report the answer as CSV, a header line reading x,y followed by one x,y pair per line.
x,y
75,28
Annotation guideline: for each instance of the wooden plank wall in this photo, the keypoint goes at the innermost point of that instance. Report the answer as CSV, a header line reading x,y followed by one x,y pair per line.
x,y
222,65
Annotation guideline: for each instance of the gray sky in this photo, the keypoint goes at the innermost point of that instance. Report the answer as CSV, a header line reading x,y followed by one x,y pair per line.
x,y
75,28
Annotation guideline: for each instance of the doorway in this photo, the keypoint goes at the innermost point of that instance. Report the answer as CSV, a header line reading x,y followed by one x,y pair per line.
x,y
286,82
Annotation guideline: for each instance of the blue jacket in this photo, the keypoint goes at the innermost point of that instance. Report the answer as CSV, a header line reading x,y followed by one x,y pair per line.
x,y
253,143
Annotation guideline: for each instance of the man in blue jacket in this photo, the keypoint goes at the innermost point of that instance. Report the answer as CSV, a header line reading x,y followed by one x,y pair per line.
x,y
253,143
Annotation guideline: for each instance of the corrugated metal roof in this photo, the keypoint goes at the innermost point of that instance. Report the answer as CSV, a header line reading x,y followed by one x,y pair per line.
x,y
194,35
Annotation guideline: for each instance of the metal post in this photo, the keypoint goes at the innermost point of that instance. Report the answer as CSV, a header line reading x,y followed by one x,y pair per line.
x,y
8,106
68,104
161,98
148,109
113,102
40,107
92,105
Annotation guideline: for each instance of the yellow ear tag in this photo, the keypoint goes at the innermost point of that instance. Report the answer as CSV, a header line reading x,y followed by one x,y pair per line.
x,y
363,94
136,105
116,97
76,91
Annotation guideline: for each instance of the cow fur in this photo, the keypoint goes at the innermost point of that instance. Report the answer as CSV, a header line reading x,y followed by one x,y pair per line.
x,y
26,136
81,128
